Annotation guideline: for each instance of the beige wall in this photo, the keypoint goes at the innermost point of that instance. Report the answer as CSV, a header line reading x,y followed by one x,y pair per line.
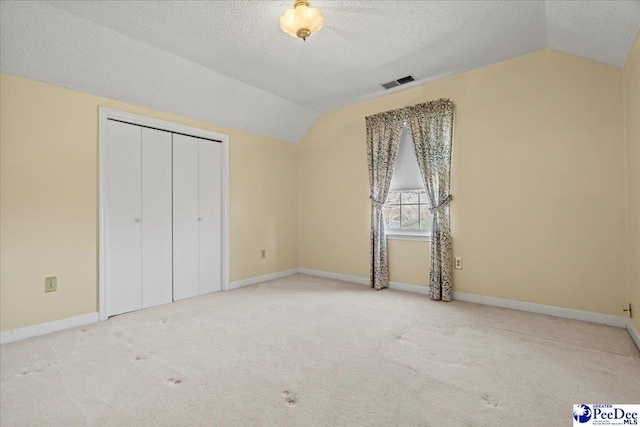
x,y
631,76
538,184
49,200
537,178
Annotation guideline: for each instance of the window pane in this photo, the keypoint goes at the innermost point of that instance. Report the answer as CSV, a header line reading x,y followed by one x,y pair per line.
x,y
410,217
410,197
425,218
394,198
423,198
392,216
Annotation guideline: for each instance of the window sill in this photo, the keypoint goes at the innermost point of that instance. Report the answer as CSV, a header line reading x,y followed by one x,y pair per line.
x,y
395,235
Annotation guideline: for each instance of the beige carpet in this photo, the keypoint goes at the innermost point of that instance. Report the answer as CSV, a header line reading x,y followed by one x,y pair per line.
x,y
306,351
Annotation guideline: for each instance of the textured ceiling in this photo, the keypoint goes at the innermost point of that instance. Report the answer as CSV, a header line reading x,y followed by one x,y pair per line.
x,y
362,44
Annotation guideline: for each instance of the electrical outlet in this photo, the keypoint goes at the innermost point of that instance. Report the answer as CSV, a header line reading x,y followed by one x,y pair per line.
x,y
263,253
458,264
50,284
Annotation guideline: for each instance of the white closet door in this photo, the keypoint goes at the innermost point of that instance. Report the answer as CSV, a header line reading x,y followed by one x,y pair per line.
x,y
157,247
185,217
123,226
210,215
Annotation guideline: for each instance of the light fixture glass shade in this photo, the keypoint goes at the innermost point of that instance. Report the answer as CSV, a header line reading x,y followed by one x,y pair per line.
x,y
302,20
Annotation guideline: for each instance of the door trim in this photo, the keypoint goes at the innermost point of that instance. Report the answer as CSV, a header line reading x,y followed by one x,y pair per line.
x,y
135,119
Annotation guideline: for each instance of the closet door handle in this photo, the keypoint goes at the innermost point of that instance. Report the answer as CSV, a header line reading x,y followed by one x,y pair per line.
x,y
200,219
137,220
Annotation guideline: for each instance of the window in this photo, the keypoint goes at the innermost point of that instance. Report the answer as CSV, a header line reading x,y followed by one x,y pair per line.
x,y
406,211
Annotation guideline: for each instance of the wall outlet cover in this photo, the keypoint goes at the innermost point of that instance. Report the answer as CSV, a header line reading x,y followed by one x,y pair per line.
x,y
51,284
458,263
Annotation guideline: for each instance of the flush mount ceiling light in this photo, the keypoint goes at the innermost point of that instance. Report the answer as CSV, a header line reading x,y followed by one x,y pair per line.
x,y
302,20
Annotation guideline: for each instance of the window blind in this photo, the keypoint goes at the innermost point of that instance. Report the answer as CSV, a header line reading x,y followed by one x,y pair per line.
x,y
406,175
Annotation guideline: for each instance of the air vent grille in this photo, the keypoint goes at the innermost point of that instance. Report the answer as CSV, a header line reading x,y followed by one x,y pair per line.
x,y
390,84
405,80
398,82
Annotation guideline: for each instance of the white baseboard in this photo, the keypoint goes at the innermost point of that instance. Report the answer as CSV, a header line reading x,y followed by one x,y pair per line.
x,y
335,276
46,328
567,313
416,289
259,279
635,336
550,310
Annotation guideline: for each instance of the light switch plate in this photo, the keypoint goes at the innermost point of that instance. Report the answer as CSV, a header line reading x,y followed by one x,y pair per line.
x,y
51,284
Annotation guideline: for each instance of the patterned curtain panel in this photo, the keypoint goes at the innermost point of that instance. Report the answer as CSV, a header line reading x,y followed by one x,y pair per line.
x,y
431,127
383,140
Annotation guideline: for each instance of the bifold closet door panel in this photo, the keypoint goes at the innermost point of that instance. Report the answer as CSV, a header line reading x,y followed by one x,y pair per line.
x,y
210,215
157,248
123,222
185,217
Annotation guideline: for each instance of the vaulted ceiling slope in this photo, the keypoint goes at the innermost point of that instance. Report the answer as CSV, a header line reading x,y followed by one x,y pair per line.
x,y
50,45
229,63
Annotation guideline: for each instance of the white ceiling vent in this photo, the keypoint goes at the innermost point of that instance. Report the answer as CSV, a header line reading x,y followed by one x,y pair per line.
x,y
400,81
